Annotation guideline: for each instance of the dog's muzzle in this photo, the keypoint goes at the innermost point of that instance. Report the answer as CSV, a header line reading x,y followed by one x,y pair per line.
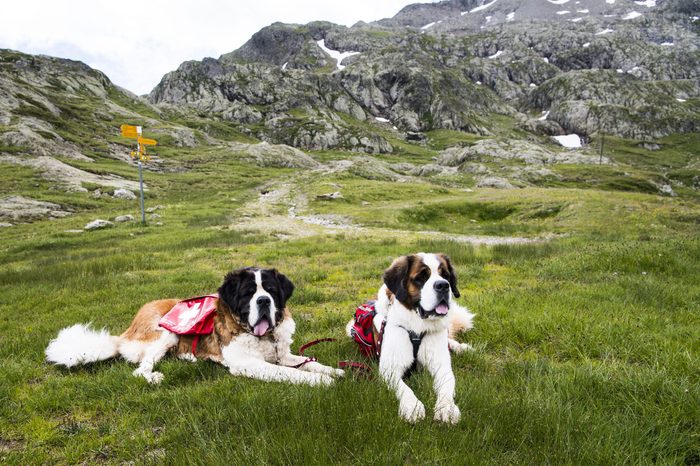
x,y
263,325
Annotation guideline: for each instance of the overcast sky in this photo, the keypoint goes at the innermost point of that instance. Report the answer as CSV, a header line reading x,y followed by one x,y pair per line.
x,y
136,43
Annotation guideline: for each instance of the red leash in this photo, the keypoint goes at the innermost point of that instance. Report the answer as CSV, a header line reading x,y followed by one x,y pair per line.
x,y
360,367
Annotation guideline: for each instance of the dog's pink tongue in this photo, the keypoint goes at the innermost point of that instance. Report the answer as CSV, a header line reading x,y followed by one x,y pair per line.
x,y
441,308
260,328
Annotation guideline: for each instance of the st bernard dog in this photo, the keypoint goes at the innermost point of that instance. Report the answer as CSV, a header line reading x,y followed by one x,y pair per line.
x,y
252,335
420,317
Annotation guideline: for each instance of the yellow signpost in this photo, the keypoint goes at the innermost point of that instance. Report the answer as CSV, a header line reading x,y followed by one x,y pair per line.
x,y
134,132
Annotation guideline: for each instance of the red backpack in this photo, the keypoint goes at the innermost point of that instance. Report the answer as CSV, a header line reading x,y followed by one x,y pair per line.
x,y
363,331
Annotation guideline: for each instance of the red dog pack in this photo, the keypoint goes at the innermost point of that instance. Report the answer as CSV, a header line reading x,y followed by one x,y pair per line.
x,y
364,332
193,316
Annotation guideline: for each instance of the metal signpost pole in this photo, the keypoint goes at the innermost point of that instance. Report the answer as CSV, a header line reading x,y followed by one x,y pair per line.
x,y
138,152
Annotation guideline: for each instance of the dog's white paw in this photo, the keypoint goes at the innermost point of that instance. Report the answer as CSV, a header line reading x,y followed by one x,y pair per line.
x,y
151,377
320,379
339,372
412,410
447,412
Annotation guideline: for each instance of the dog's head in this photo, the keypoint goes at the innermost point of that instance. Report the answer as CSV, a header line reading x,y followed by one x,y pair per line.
x,y
423,282
257,297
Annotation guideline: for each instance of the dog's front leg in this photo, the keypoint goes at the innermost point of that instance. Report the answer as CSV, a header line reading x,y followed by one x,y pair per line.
x,y
312,366
248,365
436,357
396,358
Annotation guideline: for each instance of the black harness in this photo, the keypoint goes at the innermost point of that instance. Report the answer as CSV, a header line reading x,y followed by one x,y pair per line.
x,y
416,340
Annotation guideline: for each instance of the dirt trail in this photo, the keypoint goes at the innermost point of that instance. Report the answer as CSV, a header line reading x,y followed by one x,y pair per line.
x,y
277,210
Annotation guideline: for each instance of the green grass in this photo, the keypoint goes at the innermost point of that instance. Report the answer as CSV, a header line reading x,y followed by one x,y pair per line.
x,y
587,345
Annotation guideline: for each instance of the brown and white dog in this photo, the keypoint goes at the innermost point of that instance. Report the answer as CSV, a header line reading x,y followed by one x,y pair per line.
x,y
252,335
422,318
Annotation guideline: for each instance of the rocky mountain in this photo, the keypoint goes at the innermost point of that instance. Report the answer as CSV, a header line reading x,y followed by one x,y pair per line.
x,y
551,67
462,93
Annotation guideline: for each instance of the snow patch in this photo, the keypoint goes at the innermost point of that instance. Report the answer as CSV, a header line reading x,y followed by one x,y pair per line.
x,y
570,141
510,16
668,44
620,70
284,67
610,2
483,7
604,31
533,85
558,2
586,45
681,100
546,60
576,20
338,56
478,83
497,54
381,120
563,12
632,15
647,3
428,26
544,116
582,11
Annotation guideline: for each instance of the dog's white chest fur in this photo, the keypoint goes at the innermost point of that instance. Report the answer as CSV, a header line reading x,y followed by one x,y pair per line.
x,y
271,349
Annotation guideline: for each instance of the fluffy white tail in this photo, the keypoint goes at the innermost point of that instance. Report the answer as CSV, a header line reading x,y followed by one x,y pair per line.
x,y
80,344
460,319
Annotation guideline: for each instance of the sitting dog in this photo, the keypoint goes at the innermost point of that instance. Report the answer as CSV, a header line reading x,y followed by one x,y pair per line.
x,y
416,310
249,330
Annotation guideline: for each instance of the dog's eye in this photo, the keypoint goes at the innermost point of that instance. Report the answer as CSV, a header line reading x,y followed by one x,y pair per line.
x,y
422,277
444,274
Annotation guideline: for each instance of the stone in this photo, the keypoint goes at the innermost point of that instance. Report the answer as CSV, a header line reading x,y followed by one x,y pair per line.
x,y
124,218
330,196
494,182
667,190
24,208
98,224
5,225
124,194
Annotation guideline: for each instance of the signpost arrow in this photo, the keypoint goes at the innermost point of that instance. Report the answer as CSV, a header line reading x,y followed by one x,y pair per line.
x,y
129,131
147,142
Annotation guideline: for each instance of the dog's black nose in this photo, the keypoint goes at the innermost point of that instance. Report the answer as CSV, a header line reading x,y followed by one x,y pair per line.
x,y
263,301
441,286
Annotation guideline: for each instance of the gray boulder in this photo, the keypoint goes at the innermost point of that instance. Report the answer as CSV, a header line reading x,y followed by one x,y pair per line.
x,y
124,194
98,224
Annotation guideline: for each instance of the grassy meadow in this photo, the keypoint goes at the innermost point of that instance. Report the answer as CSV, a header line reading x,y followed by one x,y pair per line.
x,y
587,341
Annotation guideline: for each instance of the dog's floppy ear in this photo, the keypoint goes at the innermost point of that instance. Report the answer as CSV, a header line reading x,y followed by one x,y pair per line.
x,y
396,277
228,291
285,285
453,276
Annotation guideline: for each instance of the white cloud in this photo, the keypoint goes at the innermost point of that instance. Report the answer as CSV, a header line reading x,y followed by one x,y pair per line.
x,y
136,43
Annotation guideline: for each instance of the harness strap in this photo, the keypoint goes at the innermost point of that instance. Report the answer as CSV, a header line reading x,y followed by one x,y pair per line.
x,y
195,340
361,367
416,340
